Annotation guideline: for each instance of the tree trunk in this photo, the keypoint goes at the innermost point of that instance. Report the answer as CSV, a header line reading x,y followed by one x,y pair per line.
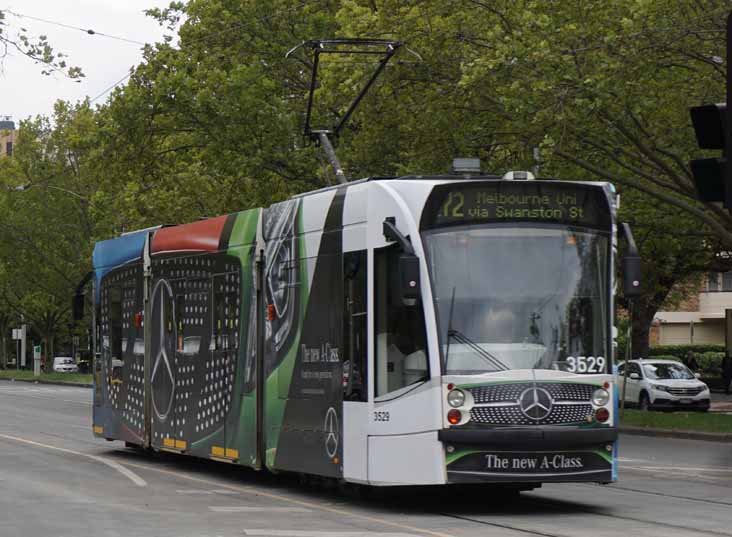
x,y
642,318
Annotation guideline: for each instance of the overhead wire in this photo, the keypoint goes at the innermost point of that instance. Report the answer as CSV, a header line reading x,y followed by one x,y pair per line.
x,y
88,31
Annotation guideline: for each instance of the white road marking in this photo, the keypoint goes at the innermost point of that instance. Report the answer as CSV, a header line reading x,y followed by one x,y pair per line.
x,y
256,509
674,468
310,504
301,533
207,492
137,480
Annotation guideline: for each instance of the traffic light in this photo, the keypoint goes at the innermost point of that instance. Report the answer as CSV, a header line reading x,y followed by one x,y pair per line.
x,y
713,128
712,176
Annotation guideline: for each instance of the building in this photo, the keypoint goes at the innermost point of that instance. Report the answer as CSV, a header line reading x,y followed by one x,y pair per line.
x,y
700,318
8,134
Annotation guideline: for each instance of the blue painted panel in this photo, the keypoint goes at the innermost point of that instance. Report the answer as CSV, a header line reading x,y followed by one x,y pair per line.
x,y
113,253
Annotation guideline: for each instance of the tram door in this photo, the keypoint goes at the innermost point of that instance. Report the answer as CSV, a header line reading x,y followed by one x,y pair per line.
x,y
355,364
220,374
401,365
406,404
163,378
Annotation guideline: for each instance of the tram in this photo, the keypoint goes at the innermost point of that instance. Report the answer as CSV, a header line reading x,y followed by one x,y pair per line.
x,y
389,331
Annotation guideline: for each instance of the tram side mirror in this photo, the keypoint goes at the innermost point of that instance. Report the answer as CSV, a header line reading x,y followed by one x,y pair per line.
x,y
631,266
409,282
77,307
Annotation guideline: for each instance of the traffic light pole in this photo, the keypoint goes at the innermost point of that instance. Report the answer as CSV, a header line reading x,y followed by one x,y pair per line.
x,y
728,122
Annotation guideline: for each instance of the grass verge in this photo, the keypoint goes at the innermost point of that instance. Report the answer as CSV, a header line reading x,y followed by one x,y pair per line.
x,y
50,377
686,421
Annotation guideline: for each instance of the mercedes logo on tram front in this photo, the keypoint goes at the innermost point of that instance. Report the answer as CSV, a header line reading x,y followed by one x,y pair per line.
x,y
535,403
162,377
330,427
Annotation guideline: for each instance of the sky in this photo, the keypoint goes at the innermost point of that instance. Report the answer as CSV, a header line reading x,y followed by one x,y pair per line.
x,y
25,92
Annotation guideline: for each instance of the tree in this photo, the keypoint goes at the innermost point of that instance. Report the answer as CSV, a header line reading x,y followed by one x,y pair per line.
x,y
37,49
602,88
47,219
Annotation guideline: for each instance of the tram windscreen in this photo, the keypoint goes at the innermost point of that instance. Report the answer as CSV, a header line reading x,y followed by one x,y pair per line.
x,y
520,296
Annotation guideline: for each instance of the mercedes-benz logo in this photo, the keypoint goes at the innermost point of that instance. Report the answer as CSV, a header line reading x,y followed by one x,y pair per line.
x,y
162,377
331,432
535,403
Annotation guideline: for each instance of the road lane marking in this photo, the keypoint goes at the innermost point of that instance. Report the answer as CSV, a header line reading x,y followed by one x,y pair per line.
x,y
303,503
306,533
137,480
207,492
686,468
256,509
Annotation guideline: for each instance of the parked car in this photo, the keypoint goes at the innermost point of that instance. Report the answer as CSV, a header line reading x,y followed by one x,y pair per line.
x,y
64,364
663,384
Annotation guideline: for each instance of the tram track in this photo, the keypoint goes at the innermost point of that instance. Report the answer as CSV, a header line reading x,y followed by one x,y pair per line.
x,y
553,505
671,496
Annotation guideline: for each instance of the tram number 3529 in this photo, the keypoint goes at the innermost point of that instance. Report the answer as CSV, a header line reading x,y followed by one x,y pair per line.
x,y
586,364
381,415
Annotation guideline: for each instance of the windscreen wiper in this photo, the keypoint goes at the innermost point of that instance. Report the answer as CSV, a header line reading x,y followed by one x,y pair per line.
x,y
465,340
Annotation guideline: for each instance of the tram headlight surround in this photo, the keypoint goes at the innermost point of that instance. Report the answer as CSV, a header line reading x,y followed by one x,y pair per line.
x,y
600,397
456,398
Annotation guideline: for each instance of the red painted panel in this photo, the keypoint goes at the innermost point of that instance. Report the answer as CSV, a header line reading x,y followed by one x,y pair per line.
x,y
202,235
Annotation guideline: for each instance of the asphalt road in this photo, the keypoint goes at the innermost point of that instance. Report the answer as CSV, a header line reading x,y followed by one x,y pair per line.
x,y
56,480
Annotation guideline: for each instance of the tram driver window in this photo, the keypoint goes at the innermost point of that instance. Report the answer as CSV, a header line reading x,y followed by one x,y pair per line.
x,y
401,351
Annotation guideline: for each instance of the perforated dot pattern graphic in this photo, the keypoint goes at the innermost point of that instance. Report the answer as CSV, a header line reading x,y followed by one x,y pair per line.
x,y
512,415
510,392
207,290
575,396
122,359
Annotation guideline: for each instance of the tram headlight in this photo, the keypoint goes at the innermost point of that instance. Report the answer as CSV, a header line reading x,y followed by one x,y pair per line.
x,y
456,398
600,397
454,416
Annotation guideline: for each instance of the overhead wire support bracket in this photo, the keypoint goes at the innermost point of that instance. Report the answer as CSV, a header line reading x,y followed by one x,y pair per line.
x,y
380,47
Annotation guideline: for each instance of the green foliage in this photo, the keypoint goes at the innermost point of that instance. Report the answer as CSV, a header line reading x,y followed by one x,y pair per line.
x,y
213,125
709,357
24,375
667,357
685,421
35,48
680,350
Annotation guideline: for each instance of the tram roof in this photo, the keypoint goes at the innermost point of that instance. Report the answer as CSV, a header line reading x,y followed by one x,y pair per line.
x,y
439,178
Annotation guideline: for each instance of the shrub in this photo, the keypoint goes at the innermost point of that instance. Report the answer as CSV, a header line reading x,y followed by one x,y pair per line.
x,y
681,350
710,363
666,357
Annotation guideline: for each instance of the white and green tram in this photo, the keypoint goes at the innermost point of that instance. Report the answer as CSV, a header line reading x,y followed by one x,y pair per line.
x,y
390,331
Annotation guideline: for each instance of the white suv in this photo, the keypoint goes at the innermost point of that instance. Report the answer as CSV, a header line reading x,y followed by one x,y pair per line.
x,y
64,364
663,384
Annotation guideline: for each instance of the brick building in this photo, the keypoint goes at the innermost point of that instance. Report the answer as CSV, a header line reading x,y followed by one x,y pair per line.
x,y
700,318
8,134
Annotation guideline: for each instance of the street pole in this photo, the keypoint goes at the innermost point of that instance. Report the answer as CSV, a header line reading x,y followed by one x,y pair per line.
x,y
628,356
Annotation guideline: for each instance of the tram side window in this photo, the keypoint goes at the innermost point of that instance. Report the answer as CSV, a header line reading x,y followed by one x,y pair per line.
x,y
401,353
116,332
355,326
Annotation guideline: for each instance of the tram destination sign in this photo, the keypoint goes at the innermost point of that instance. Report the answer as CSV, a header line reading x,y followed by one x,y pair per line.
x,y
528,201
